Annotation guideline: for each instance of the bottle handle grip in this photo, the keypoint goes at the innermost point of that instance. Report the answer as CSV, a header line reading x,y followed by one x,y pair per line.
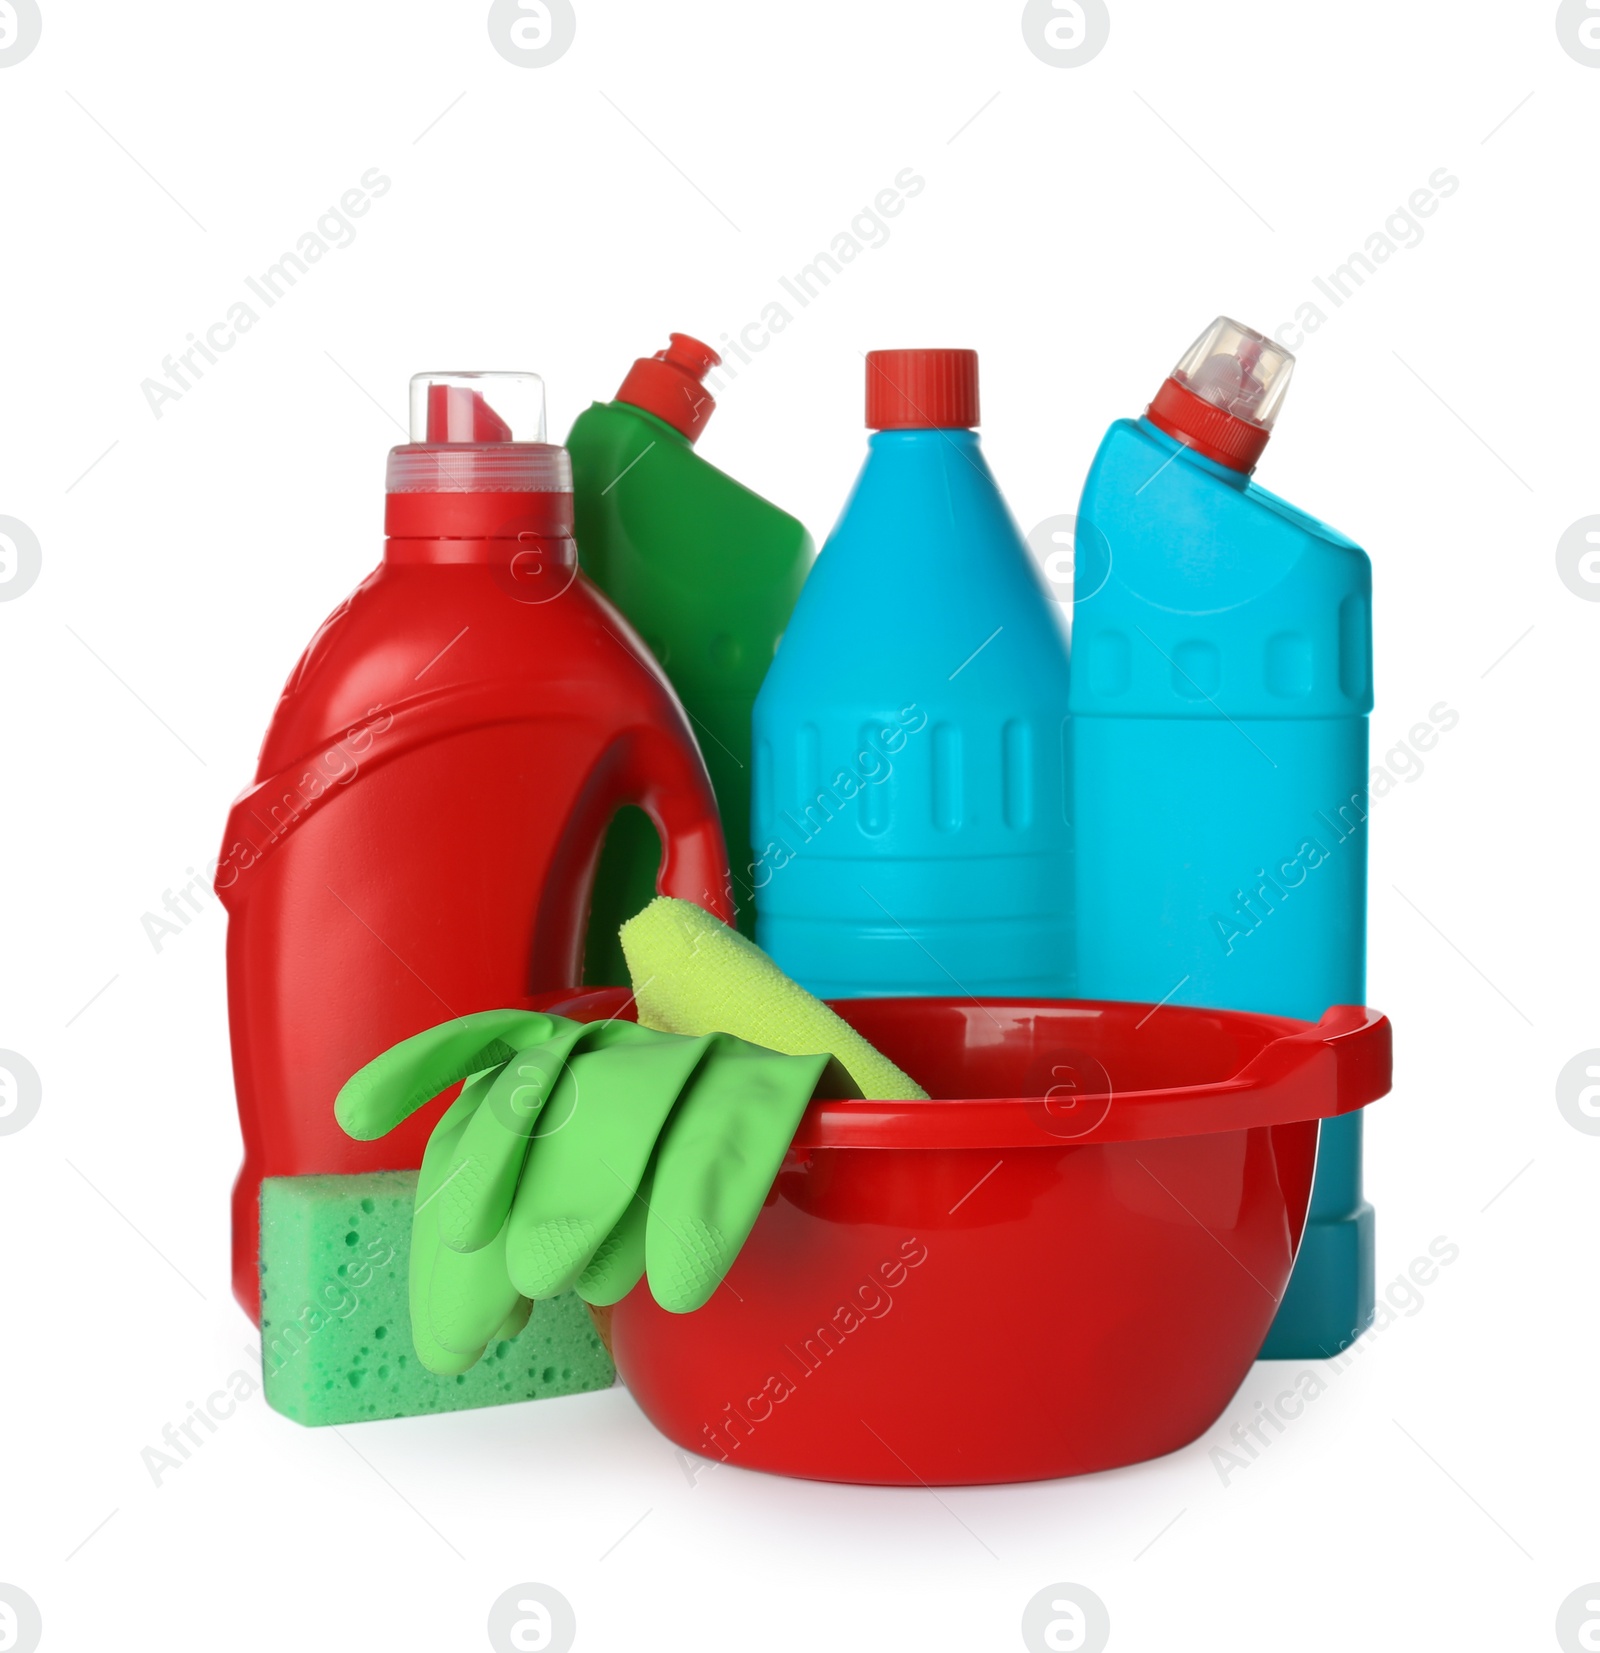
x,y
656,768
667,779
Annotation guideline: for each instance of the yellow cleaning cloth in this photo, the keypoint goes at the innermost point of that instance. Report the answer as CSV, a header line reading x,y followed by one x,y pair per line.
x,y
692,974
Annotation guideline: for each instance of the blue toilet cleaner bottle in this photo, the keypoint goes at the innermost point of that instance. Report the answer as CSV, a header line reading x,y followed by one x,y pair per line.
x,y
1220,702
910,821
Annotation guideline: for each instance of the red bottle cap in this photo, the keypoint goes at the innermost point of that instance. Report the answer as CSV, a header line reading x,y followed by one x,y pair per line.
x,y
922,389
477,466
668,385
1224,397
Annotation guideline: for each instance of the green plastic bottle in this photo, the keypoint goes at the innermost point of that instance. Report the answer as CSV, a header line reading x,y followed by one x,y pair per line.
x,y
707,572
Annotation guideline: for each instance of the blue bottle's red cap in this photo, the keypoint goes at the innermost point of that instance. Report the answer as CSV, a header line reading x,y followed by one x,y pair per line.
x,y
922,389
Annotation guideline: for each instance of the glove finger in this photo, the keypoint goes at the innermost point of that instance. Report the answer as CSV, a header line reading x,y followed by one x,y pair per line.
x,y
719,1155
618,1266
457,1302
489,1154
391,1087
589,1152
444,1136
515,1321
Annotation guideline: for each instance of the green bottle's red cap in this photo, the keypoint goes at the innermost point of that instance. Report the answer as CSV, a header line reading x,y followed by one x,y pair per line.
x,y
922,389
668,385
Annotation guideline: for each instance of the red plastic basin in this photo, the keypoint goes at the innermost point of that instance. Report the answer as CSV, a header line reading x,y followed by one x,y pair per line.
x,y
1065,1262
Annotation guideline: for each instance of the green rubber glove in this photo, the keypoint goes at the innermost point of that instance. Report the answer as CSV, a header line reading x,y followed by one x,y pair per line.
x,y
591,1152
391,1087
577,1155
714,1166
486,1161
460,1303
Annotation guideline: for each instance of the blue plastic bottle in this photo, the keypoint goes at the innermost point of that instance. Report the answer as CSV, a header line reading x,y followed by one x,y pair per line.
x,y
1220,703
910,821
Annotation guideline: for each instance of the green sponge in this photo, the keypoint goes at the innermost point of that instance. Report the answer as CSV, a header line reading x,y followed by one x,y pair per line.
x,y
335,1324
692,974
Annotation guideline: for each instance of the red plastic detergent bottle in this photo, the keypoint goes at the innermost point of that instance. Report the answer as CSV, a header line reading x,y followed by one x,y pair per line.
x,y
421,837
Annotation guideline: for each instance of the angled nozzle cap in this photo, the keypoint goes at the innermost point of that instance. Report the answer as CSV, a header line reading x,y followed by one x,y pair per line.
x,y
668,385
1224,396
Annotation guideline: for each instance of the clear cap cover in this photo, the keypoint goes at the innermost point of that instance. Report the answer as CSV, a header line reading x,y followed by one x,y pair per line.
x,y
1239,370
478,433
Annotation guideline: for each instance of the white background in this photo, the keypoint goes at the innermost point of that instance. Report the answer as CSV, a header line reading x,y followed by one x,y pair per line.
x,y
1078,227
